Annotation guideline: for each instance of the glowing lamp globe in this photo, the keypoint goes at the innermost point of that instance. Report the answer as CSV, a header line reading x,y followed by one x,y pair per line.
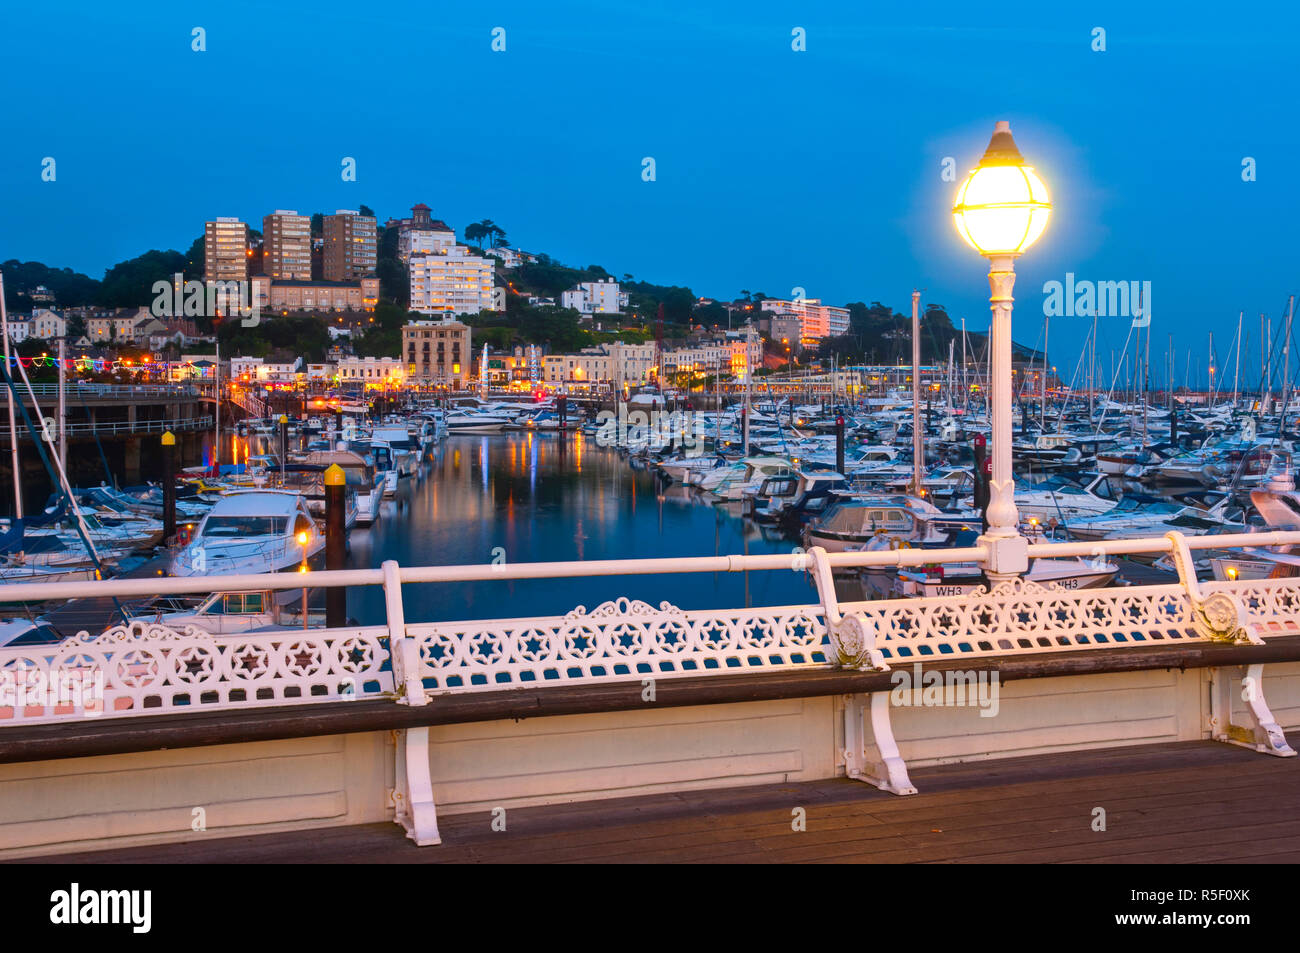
x,y
1002,206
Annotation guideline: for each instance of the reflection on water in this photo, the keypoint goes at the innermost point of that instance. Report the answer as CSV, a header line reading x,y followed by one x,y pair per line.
x,y
525,497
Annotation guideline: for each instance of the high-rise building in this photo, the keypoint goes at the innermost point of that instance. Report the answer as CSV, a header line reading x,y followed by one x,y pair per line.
x,y
225,250
286,246
452,282
351,245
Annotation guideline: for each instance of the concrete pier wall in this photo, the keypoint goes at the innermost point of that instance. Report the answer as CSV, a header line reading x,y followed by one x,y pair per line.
x,y
122,800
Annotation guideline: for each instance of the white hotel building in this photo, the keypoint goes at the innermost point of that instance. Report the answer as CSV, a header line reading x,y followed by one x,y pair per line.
x,y
449,281
816,320
595,297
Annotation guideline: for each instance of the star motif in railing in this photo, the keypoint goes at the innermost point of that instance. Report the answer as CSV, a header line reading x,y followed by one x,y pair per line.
x,y
484,646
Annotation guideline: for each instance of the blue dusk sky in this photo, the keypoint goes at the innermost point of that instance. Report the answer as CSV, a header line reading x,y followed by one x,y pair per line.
x,y
775,169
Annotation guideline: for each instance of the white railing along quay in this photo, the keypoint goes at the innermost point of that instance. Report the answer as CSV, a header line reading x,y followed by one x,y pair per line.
x,y
148,668
108,429
77,389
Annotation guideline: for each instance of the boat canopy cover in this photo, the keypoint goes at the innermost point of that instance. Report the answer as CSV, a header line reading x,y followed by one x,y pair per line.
x,y
256,503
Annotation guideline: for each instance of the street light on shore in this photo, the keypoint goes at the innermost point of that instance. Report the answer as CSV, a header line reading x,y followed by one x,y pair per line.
x,y
1002,208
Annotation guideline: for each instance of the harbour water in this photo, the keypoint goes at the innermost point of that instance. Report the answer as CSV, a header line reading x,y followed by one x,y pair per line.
x,y
522,496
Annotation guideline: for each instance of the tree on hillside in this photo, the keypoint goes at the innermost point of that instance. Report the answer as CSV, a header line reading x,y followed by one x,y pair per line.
x,y
383,338
195,259
480,232
129,284
70,289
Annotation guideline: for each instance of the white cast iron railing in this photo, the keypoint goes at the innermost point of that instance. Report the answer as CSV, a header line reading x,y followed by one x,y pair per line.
x,y
148,668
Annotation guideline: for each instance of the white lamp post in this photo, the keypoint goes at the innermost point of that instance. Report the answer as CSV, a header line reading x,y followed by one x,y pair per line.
x,y
1001,209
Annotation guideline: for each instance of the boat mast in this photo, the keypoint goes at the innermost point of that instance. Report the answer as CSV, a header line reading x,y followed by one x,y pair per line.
x,y
1236,370
1262,338
1092,367
63,406
965,387
918,437
1268,373
749,382
9,393
1146,365
216,419
1042,388
1286,363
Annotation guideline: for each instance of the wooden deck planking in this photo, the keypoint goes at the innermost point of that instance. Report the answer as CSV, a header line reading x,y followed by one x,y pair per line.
x,y
1165,803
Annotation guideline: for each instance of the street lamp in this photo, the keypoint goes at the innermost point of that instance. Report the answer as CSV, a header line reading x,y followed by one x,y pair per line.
x,y
1001,209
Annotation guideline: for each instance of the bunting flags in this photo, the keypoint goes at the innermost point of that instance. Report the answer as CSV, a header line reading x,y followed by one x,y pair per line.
x,y
95,364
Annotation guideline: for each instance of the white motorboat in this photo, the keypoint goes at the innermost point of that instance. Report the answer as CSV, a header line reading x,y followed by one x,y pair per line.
x,y
405,448
730,481
678,469
359,477
229,613
1065,500
855,524
252,531
1131,518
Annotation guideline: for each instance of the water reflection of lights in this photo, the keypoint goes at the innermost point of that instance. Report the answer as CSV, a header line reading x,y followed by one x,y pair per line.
x,y
532,464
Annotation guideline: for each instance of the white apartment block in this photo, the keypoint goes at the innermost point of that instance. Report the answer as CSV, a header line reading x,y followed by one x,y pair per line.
x,y
371,370
595,297
816,320
255,369
615,365
20,329
424,242
452,282
508,256
586,367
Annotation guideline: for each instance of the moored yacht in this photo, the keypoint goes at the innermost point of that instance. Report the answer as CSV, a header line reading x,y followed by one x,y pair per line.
x,y
252,531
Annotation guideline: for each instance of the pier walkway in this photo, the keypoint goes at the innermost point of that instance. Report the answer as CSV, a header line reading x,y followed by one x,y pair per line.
x,y
1185,802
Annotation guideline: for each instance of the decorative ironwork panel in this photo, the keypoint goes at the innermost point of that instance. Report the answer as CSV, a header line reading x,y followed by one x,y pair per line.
x,y
144,668
1271,605
617,641
1020,617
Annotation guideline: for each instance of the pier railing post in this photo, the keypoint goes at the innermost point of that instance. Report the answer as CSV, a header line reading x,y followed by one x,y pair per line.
x,y
403,651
